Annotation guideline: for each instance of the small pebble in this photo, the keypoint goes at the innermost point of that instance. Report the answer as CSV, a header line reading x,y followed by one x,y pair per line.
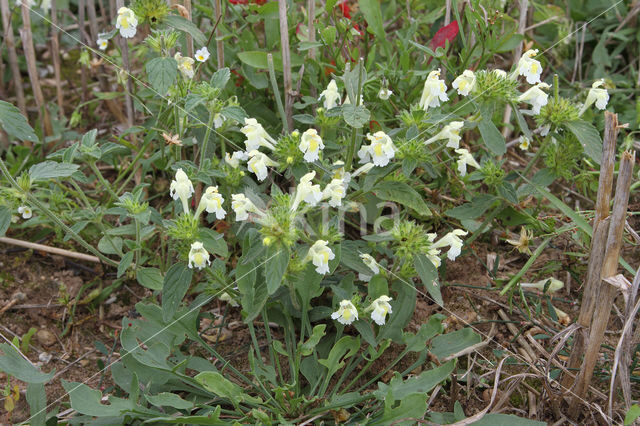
x,y
45,357
45,337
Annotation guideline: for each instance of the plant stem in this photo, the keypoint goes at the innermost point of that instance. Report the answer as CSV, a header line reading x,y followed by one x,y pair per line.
x,y
352,146
102,180
138,243
205,142
276,93
33,200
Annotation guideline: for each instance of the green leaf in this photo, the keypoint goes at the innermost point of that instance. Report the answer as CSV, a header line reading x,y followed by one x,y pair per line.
x,y
372,14
429,276
125,263
473,209
417,342
498,419
451,343
213,418
217,384
491,136
401,193
162,73
234,112
5,220
37,400
355,116
14,364
328,35
175,286
110,245
89,401
15,124
51,169
179,23
307,347
412,407
507,191
254,292
397,389
343,349
258,59
220,78
588,137
403,305
150,278
378,286
275,266
568,211
213,242
166,399
632,414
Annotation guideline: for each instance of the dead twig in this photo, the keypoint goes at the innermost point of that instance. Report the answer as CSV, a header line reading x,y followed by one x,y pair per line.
x,y
48,249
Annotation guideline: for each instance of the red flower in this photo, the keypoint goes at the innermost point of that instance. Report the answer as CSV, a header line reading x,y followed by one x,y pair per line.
x,y
444,34
238,1
346,11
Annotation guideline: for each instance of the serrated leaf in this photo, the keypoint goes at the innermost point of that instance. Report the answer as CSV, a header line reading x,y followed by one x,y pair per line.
x,y
401,193
110,245
220,78
5,220
162,73
51,169
588,137
150,278
234,112
175,286
15,124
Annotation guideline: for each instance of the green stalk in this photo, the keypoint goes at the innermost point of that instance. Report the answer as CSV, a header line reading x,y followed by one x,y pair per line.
x,y
99,224
94,168
138,243
205,142
276,93
352,145
527,265
33,200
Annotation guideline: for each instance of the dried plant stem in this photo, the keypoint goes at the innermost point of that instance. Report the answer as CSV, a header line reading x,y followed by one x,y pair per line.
x,y
55,55
32,68
609,267
10,42
286,62
113,106
81,33
219,43
187,6
124,46
311,6
48,249
598,239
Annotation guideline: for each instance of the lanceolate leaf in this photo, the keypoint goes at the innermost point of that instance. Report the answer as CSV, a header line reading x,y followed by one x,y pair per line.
x,y
176,284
